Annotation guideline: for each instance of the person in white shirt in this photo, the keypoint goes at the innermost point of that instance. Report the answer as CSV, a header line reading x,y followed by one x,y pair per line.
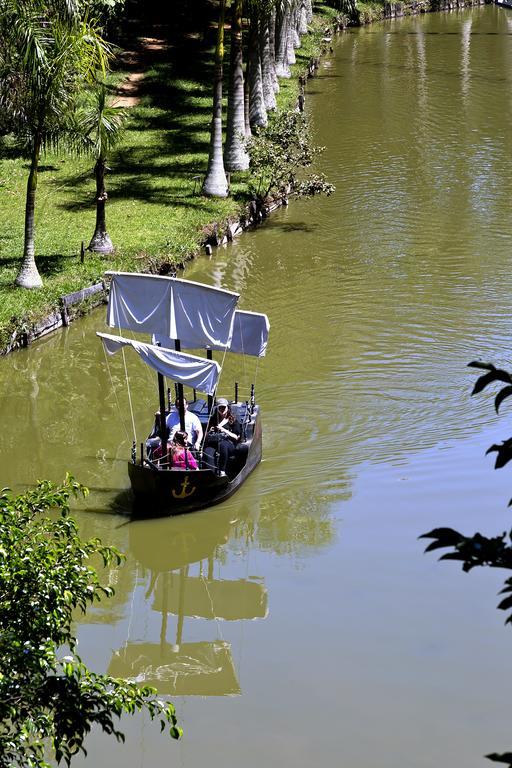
x,y
193,426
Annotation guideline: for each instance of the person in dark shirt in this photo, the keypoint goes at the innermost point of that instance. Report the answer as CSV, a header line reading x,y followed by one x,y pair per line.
x,y
224,433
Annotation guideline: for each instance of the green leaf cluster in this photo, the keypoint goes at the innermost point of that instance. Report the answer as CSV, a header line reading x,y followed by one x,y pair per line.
x,y
49,49
48,696
281,153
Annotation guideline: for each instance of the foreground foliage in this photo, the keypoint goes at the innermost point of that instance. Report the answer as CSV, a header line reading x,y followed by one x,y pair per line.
x,y
48,697
478,550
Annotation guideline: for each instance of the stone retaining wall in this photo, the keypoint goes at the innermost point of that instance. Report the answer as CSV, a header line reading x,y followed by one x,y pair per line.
x,y
71,306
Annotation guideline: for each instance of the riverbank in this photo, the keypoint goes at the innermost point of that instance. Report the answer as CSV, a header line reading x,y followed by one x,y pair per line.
x,y
368,12
156,216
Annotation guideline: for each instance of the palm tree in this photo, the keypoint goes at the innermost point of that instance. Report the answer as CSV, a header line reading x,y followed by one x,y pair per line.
x,y
216,183
282,37
268,67
235,156
257,109
101,125
48,52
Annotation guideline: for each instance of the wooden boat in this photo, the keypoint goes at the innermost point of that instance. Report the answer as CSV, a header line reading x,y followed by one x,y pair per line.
x,y
186,315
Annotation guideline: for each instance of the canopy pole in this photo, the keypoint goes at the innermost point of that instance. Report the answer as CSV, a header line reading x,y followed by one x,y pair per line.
x,y
181,404
163,425
181,604
209,356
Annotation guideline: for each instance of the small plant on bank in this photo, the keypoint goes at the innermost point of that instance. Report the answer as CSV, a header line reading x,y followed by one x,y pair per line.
x,y
280,155
49,699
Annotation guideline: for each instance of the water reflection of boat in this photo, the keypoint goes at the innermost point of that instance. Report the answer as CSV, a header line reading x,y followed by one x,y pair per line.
x,y
190,316
208,598
181,667
192,669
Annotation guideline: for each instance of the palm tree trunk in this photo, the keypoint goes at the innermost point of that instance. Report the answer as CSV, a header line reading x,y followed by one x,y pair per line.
x,y
28,276
248,131
291,34
272,44
216,183
295,25
100,242
235,156
282,27
303,18
257,111
267,63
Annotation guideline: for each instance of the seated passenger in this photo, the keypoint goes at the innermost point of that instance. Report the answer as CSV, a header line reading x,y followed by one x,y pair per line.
x,y
192,424
181,457
157,452
224,433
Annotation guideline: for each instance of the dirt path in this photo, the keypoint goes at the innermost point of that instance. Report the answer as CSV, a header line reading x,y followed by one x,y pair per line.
x,y
137,61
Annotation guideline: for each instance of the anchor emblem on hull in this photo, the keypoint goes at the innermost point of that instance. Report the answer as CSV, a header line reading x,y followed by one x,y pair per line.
x,y
183,494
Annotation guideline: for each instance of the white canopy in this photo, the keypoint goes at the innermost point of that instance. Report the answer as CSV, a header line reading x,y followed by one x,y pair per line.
x,y
250,335
196,314
195,372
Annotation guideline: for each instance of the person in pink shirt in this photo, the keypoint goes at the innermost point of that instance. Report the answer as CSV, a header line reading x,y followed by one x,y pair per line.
x,y
179,451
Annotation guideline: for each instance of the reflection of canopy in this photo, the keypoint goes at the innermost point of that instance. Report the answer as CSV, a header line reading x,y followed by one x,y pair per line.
x,y
196,314
164,544
250,335
195,372
214,599
189,669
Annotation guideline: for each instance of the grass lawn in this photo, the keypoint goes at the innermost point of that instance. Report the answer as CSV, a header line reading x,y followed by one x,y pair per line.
x,y
155,211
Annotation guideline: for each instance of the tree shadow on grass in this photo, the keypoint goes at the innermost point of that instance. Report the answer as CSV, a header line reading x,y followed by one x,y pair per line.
x,y
141,187
180,99
9,261
10,152
173,119
54,263
48,265
135,176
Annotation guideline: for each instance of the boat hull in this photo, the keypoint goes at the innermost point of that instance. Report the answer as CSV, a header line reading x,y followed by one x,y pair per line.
x,y
177,491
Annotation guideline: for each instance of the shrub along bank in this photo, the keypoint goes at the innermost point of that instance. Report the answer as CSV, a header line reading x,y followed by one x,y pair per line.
x,y
156,215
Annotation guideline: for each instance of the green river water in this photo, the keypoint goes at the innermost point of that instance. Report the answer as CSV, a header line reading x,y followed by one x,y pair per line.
x,y
300,623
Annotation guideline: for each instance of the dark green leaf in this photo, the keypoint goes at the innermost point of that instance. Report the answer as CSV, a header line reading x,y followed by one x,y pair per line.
x,y
484,366
505,757
501,396
504,452
495,375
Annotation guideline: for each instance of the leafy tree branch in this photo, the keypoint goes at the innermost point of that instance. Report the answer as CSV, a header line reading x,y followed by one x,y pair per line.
x,y
478,550
48,696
